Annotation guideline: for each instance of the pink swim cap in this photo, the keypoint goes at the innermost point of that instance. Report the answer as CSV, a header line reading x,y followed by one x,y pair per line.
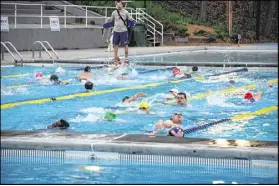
x,y
39,74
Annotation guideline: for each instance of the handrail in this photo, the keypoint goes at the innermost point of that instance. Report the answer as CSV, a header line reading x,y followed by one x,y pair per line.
x,y
143,15
3,44
40,53
51,48
7,42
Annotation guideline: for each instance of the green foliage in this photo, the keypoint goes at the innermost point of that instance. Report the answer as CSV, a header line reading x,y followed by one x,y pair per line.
x,y
221,30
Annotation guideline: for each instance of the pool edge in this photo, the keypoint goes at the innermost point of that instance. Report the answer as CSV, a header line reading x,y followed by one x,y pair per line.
x,y
137,144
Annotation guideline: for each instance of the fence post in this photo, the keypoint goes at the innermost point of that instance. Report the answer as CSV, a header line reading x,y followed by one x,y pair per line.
x,y
154,35
41,16
65,18
86,16
162,35
15,13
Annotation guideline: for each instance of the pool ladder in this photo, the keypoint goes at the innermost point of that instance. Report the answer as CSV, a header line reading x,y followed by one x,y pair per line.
x,y
43,46
16,62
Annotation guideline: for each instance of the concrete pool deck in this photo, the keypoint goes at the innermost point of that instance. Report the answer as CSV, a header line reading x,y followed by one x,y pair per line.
x,y
101,54
137,144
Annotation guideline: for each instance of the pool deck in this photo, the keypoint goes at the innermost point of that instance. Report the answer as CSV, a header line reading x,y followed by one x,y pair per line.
x,y
100,53
137,144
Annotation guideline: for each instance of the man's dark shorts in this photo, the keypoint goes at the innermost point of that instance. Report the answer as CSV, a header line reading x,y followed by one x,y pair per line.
x,y
120,36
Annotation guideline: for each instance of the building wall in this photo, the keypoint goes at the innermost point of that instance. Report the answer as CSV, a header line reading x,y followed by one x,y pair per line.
x,y
67,38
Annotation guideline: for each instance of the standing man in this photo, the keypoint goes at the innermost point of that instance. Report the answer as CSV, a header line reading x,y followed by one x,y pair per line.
x,y
120,30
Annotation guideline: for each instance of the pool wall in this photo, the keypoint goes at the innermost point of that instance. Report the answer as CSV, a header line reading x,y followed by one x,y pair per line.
x,y
138,144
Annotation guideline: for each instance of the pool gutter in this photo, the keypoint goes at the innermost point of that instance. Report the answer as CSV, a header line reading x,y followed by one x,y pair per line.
x,y
137,144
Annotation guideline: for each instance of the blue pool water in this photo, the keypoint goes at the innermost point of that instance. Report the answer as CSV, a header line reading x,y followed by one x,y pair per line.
x,y
57,170
228,55
85,114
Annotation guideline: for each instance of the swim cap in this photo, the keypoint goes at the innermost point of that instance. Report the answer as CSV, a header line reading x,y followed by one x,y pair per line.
x,y
174,90
53,78
195,68
248,95
144,105
110,116
125,98
87,69
175,70
88,85
176,131
39,74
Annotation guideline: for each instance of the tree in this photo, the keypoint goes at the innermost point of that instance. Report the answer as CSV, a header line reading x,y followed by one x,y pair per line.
x,y
258,17
269,16
203,15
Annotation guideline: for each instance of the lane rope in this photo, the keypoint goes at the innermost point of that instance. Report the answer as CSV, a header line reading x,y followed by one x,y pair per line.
x,y
234,118
15,75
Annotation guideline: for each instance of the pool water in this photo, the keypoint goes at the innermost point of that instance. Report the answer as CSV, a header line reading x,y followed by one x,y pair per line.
x,y
85,114
67,170
270,56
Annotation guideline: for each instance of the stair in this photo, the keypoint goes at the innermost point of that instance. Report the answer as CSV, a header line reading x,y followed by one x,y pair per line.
x,y
150,40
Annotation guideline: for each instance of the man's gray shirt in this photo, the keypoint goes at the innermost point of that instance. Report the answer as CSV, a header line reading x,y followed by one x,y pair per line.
x,y
118,23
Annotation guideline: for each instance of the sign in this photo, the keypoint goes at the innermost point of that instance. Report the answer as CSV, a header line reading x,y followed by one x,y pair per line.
x,y
54,23
4,24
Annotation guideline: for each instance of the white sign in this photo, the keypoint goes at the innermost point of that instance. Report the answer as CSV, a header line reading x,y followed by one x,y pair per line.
x,y
4,24
54,24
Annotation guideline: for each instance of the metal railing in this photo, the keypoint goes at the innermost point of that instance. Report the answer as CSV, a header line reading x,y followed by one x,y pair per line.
x,y
151,23
137,14
43,46
65,16
7,48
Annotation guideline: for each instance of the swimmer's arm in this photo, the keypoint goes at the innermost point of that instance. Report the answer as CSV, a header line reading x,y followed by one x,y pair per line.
x,y
135,97
163,124
258,97
122,77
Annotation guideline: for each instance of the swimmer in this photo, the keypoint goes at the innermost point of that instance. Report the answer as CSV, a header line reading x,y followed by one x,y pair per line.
x,y
128,99
172,93
88,85
60,124
39,77
109,116
248,97
175,121
55,80
144,108
195,69
177,74
86,75
181,99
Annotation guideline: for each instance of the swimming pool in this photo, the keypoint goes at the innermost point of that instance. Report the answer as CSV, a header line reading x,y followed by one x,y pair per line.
x,y
76,167
85,114
224,55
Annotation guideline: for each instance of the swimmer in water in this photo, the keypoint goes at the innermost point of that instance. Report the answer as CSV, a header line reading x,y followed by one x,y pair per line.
x,y
88,86
128,99
55,80
144,107
181,99
60,124
86,75
176,120
39,77
177,74
172,93
248,97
